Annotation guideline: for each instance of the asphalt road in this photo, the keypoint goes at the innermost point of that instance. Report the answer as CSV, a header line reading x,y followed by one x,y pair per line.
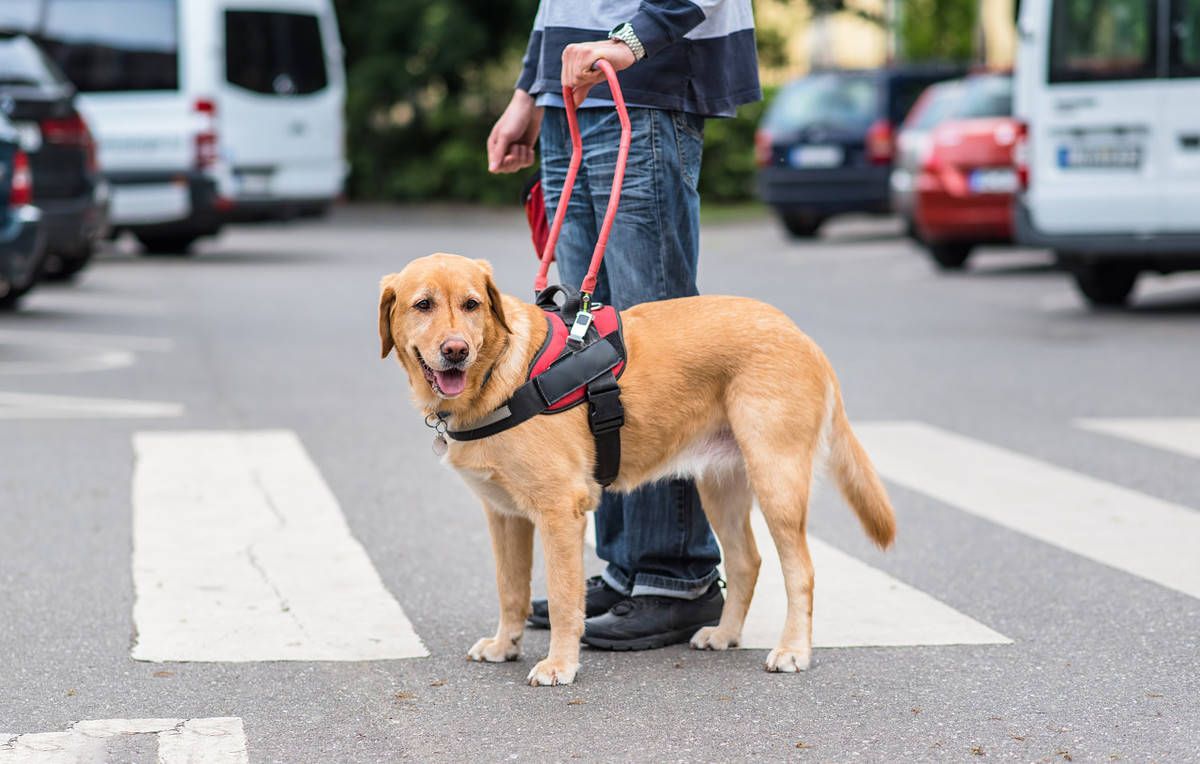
x,y
1094,653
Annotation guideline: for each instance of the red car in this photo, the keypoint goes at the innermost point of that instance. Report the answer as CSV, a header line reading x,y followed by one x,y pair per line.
x,y
963,189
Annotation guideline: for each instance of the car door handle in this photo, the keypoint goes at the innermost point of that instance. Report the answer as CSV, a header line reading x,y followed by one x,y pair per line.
x,y
1190,141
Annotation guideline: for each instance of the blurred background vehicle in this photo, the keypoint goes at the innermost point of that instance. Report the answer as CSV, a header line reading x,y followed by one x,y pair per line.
x,y
954,178
67,187
825,145
22,245
1110,92
206,111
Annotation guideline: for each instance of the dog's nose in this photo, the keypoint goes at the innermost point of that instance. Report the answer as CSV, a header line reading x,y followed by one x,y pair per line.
x,y
455,351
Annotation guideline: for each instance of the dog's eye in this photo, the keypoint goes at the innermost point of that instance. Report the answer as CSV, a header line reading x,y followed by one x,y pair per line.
x,y
470,305
423,305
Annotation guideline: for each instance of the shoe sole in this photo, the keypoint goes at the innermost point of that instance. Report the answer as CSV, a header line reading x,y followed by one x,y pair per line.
x,y
652,642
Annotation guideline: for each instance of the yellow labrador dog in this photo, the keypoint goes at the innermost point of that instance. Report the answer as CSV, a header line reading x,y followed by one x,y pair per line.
x,y
723,389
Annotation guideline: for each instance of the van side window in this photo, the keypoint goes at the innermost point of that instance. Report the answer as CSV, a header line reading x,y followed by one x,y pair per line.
x,y
274,53
1185,38
114,45
1098,40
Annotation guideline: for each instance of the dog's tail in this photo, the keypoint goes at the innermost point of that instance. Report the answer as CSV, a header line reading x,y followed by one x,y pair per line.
x,y
855,476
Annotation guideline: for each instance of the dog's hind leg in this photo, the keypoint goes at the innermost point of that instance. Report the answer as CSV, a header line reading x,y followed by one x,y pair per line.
x,y
727,500
512,545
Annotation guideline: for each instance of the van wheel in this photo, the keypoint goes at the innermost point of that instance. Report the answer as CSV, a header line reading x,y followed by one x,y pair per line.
x,y
1106,285
801,226
166,244
949,257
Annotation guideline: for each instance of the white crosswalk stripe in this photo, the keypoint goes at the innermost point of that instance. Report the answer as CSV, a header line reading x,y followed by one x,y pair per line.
x,y
1138,534
34,406
854,604
1180,434
241,553
219,740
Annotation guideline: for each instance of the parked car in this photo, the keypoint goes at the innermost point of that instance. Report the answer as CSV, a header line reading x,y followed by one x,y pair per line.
x,y
1110,92
67,187
955,178
825,145
206,111
22,244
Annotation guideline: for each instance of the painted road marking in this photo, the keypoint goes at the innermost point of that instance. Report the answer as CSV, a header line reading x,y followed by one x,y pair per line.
x,y
72,352
1179,434
1130,531
32,406
854,604
180,741
241,553
42,338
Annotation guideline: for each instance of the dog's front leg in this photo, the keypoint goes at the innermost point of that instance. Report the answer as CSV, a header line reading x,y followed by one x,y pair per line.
x,y
512,546
561,531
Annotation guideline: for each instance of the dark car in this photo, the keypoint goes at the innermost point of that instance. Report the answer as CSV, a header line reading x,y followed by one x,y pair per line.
x,y
21,242
40,103
825,145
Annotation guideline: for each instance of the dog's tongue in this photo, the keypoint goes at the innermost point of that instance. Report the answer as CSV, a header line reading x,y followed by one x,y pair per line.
x,y
451,382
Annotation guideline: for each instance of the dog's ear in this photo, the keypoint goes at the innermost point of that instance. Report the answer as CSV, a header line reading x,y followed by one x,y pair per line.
x,y
494,300
387,300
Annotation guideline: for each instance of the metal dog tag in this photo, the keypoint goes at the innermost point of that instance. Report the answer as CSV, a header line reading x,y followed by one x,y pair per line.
x,y
440,446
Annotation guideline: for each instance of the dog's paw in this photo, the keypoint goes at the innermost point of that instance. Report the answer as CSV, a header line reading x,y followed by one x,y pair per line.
x,y
548,673
494,650
788,661
712,638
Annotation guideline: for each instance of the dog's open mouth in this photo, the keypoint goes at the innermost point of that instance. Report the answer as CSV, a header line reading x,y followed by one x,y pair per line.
x,y
447,383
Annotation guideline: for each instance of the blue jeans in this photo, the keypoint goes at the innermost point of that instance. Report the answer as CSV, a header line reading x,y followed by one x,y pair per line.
x,y
655,540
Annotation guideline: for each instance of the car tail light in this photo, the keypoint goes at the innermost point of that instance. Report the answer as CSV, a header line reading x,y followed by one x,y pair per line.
x,y
70,131
881,145
21,191
1020,155
762,148
206,140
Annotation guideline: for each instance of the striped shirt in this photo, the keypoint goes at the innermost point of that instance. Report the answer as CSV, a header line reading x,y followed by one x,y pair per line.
x,y
700,55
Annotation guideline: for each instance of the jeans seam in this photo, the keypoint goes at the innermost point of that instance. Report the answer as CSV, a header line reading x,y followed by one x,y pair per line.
x,y
659,182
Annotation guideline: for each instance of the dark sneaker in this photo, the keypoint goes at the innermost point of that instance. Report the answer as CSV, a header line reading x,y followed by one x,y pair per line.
x,y
599,598
646,623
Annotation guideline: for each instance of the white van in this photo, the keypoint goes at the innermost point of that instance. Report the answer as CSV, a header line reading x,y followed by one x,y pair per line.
x,y
205,111
1109,91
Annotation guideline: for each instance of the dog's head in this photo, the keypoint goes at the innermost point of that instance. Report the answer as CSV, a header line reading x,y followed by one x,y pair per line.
x,y
443,316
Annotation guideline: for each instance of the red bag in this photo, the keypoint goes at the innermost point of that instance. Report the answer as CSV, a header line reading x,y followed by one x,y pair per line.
x,y
535,212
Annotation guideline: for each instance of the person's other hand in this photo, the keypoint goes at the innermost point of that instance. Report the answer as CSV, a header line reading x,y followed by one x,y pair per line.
x,y
578,58
510,145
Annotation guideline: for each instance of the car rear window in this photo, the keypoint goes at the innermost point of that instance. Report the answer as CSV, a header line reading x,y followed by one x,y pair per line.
x,y
114,45
274,53
843,102
1097,40
23,63
973,97
938,104
1185,38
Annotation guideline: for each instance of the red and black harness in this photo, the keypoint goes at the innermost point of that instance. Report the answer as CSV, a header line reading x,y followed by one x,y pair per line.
x,y
570,368
580,360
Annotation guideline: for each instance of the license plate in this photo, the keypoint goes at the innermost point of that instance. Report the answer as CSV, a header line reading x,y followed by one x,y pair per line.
x,y
817,156
1100,157
997,181
29,135
254,183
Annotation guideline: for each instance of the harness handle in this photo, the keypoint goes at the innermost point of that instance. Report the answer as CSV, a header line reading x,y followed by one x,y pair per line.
x,y
614,197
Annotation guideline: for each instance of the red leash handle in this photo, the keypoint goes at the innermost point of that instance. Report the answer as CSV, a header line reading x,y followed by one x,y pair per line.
x,y
614,197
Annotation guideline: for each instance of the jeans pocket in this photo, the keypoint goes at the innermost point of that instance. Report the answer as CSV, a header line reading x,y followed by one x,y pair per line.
x,y
689,139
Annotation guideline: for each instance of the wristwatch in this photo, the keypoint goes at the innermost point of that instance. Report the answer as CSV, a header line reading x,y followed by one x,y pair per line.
x,y
623,32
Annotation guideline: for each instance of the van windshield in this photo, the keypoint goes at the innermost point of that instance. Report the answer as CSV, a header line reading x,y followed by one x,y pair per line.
x,y
1103,40
832,101
276,54
114,45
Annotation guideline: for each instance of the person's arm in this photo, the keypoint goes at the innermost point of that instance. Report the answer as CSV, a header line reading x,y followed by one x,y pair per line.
x,y
657,26
510,144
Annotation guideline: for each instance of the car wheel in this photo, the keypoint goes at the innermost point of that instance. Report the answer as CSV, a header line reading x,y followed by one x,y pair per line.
x,y
167,244
949,257
59,268
1106,285
801,226
12,298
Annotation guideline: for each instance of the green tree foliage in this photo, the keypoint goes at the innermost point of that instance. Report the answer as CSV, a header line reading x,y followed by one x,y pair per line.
x,y
937,30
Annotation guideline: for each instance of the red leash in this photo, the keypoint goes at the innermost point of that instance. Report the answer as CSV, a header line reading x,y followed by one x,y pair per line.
x,y
614,197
